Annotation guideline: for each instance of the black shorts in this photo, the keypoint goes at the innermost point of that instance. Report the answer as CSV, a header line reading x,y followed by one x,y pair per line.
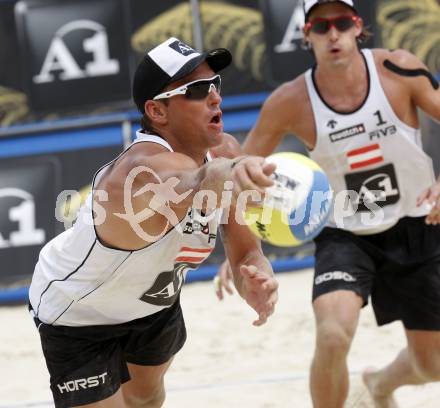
x,y
399,268
88,364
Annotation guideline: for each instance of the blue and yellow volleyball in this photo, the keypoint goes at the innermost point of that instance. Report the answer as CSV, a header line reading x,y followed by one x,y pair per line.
x,y
297,207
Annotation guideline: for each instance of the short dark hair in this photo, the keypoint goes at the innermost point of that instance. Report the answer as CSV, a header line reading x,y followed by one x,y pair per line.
x,y
146,124
365,35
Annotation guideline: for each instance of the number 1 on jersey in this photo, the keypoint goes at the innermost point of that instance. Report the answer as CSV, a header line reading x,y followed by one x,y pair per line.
x,y
379,118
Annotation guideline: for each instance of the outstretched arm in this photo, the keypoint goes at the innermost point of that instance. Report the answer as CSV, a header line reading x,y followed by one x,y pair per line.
x,y
251,270
150,190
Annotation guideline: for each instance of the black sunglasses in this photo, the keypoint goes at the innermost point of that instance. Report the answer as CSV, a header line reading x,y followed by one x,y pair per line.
x,y
195,90
323,25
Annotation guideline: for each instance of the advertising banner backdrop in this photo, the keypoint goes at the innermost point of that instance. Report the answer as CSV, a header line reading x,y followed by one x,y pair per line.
x,y
283,23
27,200
29,189
77,56
73,53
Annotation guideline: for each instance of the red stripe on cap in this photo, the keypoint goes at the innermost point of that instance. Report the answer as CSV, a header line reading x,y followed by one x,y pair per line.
x,y
363,150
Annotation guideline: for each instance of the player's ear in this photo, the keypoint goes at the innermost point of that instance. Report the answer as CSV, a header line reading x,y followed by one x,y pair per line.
x,y
306,31
305,44
156,111
359,25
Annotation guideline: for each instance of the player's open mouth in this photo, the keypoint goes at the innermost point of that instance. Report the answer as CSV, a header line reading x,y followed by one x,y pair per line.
x,y
216,119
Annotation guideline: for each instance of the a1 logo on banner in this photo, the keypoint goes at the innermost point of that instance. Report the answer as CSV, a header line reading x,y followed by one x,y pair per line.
x,y
293,32
28,189
283,23
60,59
24,216
74,53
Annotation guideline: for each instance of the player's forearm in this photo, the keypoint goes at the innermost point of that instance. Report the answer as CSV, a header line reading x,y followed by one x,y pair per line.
x,y
209,182
190,181
190,185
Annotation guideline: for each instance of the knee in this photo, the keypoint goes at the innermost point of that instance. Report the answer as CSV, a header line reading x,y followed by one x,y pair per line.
x,y
427,364
333,339
151,397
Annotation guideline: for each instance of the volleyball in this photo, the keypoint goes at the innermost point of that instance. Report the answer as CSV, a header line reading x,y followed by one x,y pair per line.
x,y
296,207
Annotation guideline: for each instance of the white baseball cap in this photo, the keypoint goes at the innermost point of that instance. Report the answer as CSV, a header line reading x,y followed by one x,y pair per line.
x,y
169,62
311,4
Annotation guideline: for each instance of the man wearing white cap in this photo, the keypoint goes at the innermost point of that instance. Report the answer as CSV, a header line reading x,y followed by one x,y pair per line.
x,y
105,293
356,111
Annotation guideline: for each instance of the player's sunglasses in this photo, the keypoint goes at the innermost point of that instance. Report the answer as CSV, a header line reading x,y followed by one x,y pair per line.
x,y
195,90
323,25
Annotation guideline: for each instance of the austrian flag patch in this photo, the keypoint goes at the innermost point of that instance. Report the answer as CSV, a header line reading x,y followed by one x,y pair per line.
x,y
364,156
193,255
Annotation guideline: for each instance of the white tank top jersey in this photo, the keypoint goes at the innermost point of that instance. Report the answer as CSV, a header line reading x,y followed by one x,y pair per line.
x,y
78,281
373,160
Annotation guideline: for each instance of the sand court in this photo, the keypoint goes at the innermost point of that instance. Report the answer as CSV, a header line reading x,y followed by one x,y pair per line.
x,y
226,362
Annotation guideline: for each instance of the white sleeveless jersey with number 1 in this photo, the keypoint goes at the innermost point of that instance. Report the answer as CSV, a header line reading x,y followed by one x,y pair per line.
x,y
374,161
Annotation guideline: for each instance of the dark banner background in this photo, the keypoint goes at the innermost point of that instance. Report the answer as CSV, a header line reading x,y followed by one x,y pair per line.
x,y
27,193
29,187
88,69
77,57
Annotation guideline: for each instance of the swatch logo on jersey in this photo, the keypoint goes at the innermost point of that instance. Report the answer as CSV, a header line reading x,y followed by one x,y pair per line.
x,y
346,133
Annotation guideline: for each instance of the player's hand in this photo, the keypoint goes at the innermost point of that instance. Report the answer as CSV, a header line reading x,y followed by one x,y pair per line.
x,y
252,173
223,280
247,173
431,197
260,290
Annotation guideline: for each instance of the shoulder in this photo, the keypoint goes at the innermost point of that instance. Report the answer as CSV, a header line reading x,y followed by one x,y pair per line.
x,y
159,159
229,148
288,110
288,92
148,159
288,99
148,151
399,57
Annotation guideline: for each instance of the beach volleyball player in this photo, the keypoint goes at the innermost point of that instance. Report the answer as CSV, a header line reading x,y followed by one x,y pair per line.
x,y
356,111
105,293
